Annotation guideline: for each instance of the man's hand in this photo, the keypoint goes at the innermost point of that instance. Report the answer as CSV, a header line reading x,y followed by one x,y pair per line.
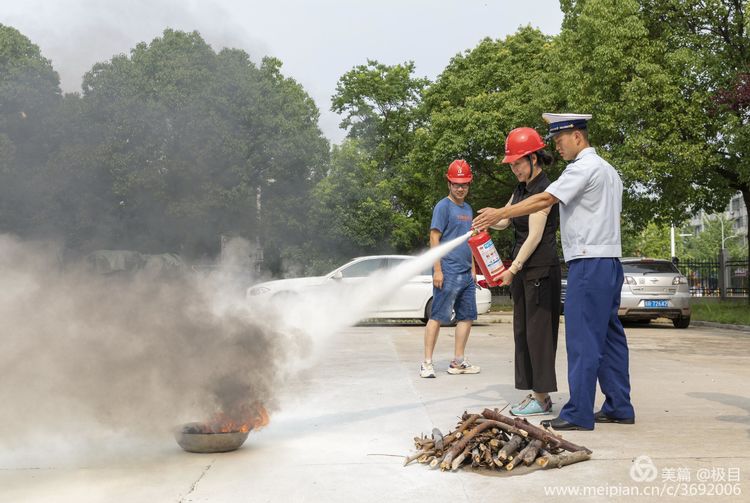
x,y
487,217
437,279
507,277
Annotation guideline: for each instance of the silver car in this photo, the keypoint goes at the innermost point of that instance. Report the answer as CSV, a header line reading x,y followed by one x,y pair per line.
x,y
652,289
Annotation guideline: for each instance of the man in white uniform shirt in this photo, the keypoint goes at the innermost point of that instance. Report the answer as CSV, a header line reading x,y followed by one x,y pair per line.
x,y
590,195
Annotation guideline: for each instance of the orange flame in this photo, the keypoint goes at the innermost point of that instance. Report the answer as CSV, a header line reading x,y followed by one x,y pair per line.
x,y
246,418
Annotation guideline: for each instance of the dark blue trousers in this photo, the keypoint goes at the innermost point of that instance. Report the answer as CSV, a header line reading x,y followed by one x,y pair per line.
x,y
595,341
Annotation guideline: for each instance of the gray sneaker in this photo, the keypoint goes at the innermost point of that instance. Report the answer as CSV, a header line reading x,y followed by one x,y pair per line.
x,y
426,370
464,367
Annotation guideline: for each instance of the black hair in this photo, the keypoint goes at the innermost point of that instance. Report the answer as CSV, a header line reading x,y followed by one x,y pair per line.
x,y
584,132
543,158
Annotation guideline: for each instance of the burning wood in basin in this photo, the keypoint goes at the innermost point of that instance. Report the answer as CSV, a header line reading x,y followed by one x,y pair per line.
x,y
494,441
224,432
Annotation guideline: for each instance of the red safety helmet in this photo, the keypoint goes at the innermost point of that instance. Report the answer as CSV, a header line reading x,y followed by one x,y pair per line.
x,y
459,172
520,142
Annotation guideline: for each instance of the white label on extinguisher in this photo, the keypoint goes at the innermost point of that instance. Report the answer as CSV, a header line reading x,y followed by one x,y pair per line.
x,y
491,258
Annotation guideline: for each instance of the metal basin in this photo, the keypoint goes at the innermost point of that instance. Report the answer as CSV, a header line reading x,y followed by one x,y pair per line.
x,y
190,438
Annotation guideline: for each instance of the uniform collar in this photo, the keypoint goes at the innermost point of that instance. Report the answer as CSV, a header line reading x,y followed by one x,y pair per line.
x,y
585,152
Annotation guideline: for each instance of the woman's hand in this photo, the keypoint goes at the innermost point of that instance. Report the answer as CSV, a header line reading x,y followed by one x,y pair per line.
x,y
507,277
487,217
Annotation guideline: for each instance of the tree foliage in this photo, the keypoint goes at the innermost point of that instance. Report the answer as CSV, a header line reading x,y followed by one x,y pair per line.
x,y
381,109
29,93
478,99
171,146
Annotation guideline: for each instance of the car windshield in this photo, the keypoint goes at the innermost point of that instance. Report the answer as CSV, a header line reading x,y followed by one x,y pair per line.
x,y
649,267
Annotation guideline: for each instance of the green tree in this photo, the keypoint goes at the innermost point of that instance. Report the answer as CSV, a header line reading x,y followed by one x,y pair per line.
x,y
717,35
649,115
29,94
706,245
666,83
190,137
380,105
652,241
353,204
481,95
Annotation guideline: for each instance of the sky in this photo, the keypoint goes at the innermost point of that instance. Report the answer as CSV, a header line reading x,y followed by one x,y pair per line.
x,y
316,40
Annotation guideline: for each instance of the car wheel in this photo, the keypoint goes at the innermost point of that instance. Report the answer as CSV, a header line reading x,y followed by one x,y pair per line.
x,y
427,311
681,322
453,321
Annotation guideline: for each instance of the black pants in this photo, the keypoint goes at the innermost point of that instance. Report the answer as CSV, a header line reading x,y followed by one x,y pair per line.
x,y
536,319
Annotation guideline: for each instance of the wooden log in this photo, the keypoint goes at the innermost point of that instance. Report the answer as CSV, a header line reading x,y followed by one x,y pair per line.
x,y
476,458
562,459
497,461
510,448
487,459
425,444
457,462
530,452
461,444
422,443
426,458
458,433
417,455
534,431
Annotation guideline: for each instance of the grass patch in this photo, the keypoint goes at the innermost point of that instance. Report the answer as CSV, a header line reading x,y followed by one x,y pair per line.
x,y
728,311
501,308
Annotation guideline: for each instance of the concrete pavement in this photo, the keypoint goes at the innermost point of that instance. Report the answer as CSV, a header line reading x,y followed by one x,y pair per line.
x,y
346,424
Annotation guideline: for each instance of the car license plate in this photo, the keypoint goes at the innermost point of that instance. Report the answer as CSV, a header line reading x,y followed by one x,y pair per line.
x,y
657,303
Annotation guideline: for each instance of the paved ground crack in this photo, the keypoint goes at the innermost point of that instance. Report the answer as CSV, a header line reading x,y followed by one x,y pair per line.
x,y
195,484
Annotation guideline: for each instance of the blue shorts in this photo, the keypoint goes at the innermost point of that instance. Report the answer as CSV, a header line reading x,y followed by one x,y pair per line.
x,y
459,293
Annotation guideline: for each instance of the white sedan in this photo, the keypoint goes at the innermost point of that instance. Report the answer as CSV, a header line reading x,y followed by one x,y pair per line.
x,y
413,299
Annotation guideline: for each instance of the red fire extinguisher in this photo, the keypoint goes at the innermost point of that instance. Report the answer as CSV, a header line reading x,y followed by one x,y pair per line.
x,y
486,256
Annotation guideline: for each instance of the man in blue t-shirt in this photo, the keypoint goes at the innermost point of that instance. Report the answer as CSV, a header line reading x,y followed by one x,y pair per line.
x,y
453,276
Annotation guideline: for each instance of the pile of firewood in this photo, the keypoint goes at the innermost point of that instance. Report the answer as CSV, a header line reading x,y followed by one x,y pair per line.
x,y
492,440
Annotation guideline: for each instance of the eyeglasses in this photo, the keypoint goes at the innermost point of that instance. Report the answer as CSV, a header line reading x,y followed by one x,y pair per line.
x,y
460,185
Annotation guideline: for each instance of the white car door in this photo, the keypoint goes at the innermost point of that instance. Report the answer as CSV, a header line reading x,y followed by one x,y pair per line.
x,y
410,298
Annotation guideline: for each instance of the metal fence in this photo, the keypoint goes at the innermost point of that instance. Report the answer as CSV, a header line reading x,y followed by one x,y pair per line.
x,y
706,277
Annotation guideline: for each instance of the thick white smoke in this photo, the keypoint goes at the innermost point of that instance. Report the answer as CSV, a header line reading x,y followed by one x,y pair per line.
x,y
87,357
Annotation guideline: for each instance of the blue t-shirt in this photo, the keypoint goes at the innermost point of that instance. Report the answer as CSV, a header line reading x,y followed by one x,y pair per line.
x,y
452,221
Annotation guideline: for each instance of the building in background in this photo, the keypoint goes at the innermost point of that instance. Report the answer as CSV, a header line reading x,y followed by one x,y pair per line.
x,y
735,216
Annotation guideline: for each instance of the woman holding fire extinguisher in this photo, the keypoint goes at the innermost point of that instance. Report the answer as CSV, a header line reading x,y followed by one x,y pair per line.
x,y
534,276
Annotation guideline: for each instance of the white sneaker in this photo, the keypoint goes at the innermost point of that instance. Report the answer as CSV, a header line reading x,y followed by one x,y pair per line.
x,y
462,368
426,370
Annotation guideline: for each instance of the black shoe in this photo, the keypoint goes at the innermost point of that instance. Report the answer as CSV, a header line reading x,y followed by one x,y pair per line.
x,y
562,425
601,417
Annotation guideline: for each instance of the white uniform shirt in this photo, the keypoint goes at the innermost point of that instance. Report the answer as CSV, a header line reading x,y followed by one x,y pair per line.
x,y
590,194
